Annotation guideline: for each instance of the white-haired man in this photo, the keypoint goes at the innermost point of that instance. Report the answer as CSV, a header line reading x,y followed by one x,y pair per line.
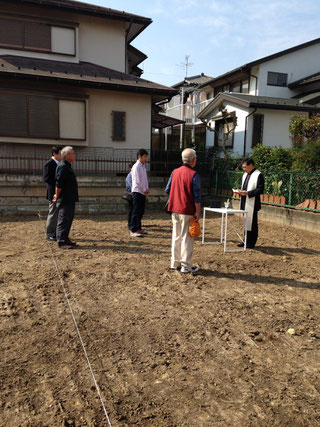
x,y
65,197
184,203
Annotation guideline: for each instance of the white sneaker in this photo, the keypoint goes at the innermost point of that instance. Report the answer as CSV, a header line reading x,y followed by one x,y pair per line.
x,y
193,269
135,234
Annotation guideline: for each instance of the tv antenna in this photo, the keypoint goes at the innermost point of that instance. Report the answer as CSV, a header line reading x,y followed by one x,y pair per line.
x,y
186,64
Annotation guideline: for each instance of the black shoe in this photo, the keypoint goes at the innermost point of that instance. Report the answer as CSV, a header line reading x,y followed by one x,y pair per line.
x,y
241,245
51,239
250,246
65,246
69,242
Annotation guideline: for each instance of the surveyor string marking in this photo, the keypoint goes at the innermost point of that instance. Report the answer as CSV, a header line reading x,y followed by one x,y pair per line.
x,y
77,329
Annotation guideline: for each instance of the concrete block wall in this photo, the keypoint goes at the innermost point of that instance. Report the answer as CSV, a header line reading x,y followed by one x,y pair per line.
x,y
302,220
21,194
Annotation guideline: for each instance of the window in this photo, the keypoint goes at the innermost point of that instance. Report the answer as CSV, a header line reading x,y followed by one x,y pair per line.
x,y
235,87
277,79
36,36
118,126
242,86
37,116
257,133
245,86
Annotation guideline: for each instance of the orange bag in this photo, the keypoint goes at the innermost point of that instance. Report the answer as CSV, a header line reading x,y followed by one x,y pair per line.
x,y
194,228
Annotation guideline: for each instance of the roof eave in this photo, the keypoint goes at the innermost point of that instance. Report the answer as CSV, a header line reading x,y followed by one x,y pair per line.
x,y
91,84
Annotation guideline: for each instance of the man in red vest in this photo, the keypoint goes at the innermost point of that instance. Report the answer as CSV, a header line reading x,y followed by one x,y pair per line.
x,y
184,203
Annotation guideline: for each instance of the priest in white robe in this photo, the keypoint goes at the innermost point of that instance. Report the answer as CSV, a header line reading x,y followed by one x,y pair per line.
x,y
251,189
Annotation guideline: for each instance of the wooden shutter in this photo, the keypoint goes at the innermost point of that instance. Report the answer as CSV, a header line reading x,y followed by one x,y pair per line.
x,y
11,32
13,114
37,36
118,126
257,133
43,117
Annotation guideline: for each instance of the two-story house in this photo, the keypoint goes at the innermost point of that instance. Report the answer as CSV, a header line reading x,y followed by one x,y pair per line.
x,y
254,103
70,76
260,98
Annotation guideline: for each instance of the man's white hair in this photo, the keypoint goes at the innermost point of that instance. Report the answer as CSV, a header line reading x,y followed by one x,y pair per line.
x,y
65,151
188,155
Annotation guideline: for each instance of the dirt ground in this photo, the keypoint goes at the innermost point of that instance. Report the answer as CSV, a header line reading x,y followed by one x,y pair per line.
x,y
235,345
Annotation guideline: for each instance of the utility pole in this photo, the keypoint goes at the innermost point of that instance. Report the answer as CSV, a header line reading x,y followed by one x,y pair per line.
x,y
181,117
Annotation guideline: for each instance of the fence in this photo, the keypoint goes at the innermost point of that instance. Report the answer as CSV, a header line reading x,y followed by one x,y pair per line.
x,y
160,163
289,189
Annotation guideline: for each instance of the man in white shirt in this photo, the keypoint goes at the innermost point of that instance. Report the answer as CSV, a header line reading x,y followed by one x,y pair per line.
x,y
140,189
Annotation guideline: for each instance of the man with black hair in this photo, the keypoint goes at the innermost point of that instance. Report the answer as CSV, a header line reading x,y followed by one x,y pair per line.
x,y
140,189
251,189
49,177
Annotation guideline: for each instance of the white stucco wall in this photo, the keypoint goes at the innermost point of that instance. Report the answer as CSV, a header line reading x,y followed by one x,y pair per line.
x,y
102,42
275,128
297,65
138,119
241,114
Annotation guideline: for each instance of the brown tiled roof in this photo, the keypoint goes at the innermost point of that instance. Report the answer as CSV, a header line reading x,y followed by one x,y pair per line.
x,y
90,75
91,9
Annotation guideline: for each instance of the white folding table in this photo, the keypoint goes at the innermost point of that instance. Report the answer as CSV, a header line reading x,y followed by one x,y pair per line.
x,y
224,226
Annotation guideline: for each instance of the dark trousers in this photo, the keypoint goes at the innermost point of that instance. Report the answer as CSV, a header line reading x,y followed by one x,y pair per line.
x,y
65,218
130,207
252,235
138,205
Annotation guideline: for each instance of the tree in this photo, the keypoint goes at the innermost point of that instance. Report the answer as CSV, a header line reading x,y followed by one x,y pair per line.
x,y
305,136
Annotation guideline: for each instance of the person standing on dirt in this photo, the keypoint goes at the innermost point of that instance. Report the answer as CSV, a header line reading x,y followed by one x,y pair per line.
x,y
49,177
251,189
140,190
184,202
128,193
65,197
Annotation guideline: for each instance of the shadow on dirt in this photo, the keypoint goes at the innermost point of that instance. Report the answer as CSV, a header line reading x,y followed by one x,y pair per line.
x,y
256,279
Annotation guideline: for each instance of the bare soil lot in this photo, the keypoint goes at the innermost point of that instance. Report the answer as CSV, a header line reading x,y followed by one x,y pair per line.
x,y
235,345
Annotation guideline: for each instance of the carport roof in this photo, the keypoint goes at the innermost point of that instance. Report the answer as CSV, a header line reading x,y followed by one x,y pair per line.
x,y
82,73
160,121
252,101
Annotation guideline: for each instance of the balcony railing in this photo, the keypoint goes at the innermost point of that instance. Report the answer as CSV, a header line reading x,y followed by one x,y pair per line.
x,y
187,112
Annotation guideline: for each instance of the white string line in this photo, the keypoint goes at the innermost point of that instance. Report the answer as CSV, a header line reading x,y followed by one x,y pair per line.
x,y
77,329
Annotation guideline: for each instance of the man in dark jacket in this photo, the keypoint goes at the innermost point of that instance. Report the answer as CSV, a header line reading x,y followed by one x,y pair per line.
x,y
49,177
184,202
65,197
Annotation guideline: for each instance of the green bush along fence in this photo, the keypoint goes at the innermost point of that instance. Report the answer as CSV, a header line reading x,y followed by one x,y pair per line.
x,y
290,189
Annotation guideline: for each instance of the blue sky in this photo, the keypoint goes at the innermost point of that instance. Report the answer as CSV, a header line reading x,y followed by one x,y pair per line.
x,y
218,36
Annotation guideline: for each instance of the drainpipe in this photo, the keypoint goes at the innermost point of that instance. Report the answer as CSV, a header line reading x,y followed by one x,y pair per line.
x,y
245,132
